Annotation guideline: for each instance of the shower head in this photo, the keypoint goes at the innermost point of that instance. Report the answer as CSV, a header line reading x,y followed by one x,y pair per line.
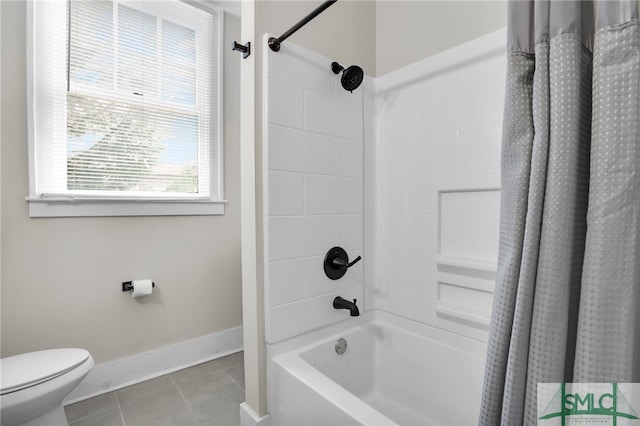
x,y
351,77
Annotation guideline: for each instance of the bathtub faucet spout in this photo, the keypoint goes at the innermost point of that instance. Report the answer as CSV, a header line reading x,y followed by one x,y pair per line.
x,y
340,303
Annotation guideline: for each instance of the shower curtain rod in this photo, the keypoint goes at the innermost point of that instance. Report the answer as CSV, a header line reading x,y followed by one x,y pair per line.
x,y
274,43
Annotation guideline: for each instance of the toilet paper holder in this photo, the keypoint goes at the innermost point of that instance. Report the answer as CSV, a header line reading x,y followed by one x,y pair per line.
x,y
128,285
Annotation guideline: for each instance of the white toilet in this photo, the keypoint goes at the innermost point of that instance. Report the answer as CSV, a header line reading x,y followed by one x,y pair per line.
x,y
33,385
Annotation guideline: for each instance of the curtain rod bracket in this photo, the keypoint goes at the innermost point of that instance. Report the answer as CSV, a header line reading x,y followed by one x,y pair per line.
x,y
274,44
244,48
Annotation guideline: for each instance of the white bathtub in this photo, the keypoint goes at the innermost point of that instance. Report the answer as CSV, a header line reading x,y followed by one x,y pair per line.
x,y
394,372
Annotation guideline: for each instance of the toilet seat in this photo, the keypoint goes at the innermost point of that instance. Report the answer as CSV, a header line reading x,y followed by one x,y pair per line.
x,y
30,369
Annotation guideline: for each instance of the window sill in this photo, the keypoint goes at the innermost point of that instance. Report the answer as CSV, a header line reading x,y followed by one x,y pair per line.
x,y
96,207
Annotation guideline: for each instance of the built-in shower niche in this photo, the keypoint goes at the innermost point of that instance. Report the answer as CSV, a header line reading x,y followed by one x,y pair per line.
x,y
468,225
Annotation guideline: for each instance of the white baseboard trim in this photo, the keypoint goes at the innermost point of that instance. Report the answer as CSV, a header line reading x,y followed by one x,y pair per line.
x,y
248,417
128,371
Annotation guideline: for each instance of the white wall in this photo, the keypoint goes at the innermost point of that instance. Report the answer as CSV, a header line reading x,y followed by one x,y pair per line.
x,y
332,35
408,31
431,135
433,183
0,158
314,194
345,32
61,278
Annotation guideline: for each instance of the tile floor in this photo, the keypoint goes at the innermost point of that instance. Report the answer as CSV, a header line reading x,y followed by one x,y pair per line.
x,y
206,394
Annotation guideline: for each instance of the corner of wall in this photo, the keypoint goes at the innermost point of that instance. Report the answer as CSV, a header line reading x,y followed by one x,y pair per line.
x,y
430,27
248,417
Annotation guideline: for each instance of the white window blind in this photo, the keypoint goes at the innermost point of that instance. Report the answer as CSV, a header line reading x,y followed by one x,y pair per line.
x,y
125,101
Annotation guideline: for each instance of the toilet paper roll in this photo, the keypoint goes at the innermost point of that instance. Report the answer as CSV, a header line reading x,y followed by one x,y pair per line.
x,y
141,288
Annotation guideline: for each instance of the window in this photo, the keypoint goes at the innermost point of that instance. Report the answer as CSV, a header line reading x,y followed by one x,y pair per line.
x,y
124,108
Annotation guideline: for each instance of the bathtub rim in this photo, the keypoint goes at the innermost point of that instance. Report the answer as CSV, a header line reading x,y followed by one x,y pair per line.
x,y
332,391
287,355
304,342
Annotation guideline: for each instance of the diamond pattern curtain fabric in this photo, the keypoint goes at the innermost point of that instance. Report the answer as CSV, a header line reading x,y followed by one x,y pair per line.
x,y
568,289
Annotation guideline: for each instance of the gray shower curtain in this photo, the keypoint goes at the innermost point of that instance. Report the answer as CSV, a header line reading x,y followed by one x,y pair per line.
x,y
567,299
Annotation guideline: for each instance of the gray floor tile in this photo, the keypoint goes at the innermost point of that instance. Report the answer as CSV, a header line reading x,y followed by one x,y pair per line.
x,y
191,422
237,374
203,395
231,360
91,407
219,407
110,417
213,364
192,386
150,387
208,369
155,402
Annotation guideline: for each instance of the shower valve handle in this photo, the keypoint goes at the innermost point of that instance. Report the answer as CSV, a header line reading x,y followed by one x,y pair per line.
x,y
341,263
336,263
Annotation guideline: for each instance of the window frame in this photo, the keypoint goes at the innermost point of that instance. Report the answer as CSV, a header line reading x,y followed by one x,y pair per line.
x,y
108,204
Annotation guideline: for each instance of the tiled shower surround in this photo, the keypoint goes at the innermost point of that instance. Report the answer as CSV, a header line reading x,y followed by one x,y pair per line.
x,y
403,171
433,186
314,168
